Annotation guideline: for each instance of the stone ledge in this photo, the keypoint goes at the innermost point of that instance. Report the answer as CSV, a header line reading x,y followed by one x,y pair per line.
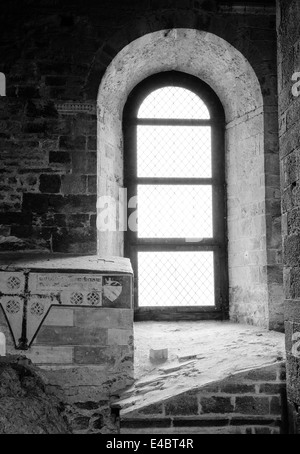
x,y
63,262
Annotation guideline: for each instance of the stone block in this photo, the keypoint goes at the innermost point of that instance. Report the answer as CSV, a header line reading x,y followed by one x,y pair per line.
x,y
289,141
119,336
92,184
72,203
289,168
155,409
98,422
78,220
237,388
82,392
294,283
59,157
158,355
73,184
35,203
147,424
271,388
49,355
293,222
15,218
83,382
292,311
72,143
108,356
59,316
293,378
282,373
89,405
103,318
35,127
71,335
262,430
216,404
74,241
50,183
263,374
184,404
252,405
211,424
84,162
81,423
276,407
291,249
92,143
292,115
41,108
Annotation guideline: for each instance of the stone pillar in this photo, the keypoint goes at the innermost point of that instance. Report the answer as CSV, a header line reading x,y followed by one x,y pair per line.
x,y
288,27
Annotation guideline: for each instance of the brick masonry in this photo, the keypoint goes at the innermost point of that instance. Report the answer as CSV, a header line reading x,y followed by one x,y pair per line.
x,y
252,402
288,13
54,59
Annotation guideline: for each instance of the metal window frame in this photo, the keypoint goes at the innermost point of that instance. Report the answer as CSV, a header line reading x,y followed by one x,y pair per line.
x,y
217,244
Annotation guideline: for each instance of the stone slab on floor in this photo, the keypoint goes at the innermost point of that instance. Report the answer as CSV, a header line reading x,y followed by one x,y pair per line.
x,y
216,350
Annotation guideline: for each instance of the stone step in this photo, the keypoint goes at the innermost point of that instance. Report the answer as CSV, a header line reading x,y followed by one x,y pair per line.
x,y
199,425
250,402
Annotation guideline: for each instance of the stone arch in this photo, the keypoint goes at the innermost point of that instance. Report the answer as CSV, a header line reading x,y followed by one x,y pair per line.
x,y
231,76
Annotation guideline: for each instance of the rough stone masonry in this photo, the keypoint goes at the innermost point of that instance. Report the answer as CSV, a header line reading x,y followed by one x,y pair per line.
x,y
288,15
54,55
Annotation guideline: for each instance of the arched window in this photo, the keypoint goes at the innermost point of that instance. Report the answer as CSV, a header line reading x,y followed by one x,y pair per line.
x,y
174,168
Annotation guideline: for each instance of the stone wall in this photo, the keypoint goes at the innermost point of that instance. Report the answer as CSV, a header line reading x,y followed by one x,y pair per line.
x,y
54,55
252,402
288,13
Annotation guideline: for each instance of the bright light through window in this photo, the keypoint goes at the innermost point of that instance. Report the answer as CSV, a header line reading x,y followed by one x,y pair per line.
x,y
173,102
174,151
173,141
167,211
176,279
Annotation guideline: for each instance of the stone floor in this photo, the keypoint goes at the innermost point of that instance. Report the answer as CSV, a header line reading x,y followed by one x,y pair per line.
x,y
199,353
